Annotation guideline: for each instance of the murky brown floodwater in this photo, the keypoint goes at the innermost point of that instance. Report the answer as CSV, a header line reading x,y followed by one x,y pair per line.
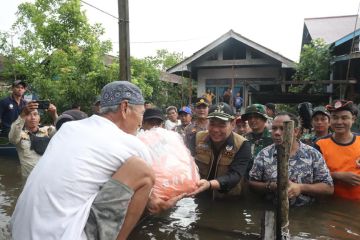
x,y
207,220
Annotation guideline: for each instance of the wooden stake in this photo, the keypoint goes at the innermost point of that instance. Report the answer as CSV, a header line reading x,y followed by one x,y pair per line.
x,y
283,154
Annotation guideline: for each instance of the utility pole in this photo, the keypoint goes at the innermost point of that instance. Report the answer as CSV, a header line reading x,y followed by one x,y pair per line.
x,y
124,40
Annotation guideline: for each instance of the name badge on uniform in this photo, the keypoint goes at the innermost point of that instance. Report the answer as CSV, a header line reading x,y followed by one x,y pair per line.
x,y
229,152
229,148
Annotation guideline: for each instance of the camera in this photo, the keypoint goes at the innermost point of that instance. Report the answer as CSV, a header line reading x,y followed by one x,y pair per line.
x,y
43,104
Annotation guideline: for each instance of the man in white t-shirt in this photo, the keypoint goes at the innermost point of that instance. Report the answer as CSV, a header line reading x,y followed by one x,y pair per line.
x,y
172,120
94,180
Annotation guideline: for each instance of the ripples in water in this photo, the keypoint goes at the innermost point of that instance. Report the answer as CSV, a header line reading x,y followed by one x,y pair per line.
x,y
208,220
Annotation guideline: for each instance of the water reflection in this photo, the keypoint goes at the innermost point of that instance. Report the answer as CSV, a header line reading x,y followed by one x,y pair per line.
x,y
204,219
10,187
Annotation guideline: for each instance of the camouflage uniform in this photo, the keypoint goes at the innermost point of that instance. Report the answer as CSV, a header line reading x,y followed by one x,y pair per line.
x,y
257,144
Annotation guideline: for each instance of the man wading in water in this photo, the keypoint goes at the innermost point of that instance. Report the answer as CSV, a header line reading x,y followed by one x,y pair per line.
x,y
94,180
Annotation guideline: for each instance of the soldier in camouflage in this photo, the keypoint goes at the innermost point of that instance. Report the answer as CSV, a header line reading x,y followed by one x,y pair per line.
x,y
260,137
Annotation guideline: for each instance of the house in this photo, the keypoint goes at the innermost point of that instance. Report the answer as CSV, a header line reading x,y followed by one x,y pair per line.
x,y
341,33
239,63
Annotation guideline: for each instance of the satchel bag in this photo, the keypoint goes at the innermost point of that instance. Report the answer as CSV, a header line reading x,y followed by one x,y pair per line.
x,y
39,144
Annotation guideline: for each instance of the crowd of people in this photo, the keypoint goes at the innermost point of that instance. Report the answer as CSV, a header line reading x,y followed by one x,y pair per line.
x,y
94,177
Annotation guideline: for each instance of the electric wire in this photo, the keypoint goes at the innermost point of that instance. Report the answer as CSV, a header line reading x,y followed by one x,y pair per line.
x,y
140,42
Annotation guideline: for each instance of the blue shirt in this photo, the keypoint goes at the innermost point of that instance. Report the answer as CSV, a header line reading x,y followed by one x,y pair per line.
x,y
9,112
306,166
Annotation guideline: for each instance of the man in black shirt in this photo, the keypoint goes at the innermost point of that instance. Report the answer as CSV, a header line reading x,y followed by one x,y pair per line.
x,y
11,106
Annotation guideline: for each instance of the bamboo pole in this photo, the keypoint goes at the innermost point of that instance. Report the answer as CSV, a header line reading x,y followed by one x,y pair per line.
x,y
283,154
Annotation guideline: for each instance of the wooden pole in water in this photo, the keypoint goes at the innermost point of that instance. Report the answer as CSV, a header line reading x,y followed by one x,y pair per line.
x,y
124,42
283,154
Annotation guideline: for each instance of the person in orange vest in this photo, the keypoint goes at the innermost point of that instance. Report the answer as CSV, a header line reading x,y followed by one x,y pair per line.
x,y
341,150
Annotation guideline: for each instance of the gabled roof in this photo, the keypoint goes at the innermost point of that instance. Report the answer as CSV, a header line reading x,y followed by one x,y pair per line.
x,y
331,29
346,38
184,65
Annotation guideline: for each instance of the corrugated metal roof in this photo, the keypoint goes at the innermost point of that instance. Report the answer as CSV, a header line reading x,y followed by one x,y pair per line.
x,y
331,29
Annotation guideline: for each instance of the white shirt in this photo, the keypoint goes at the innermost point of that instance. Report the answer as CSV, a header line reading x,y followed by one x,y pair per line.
x,y
170,125
59,192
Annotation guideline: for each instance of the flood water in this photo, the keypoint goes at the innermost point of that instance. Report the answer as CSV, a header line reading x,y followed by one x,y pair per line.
x,y
207,220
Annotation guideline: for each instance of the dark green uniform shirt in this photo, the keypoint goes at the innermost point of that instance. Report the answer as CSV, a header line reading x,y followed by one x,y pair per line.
x,y
258,142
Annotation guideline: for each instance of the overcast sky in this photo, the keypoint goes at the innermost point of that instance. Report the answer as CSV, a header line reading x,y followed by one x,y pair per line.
x,y
188,25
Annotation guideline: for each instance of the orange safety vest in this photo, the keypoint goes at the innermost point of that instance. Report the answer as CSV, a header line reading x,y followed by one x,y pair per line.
x,y
342,158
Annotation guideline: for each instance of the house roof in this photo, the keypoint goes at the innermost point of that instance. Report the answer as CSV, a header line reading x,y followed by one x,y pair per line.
x,y
331,29
109,59
168,77
185,64
347,38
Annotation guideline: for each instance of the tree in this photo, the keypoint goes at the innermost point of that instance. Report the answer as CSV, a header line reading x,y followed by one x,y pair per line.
x,y
60,54
314,65
146,74
61,57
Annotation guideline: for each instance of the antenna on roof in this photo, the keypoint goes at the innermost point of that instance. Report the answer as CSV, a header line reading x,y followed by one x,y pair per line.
x,y
352,44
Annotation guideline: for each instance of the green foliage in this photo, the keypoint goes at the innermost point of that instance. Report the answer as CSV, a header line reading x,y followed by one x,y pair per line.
x,y
164,59
146,74
291,108
62,59
3,94
60,54
314,65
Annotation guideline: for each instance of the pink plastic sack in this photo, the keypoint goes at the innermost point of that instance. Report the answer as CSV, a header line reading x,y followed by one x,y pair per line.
x,y
175,169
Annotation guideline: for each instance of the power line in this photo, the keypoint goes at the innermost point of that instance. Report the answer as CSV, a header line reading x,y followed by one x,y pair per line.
x,y
141,42
165,41
99,9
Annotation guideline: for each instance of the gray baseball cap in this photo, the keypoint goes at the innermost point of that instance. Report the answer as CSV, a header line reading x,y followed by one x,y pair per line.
x,y
115,92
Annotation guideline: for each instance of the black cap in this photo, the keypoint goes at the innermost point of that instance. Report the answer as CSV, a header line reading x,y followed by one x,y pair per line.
x,y
69,115
201,101
21,82
153,113
271,106
221,111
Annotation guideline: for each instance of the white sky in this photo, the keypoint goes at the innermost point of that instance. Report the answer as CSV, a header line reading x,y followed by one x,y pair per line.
x,y
188,25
